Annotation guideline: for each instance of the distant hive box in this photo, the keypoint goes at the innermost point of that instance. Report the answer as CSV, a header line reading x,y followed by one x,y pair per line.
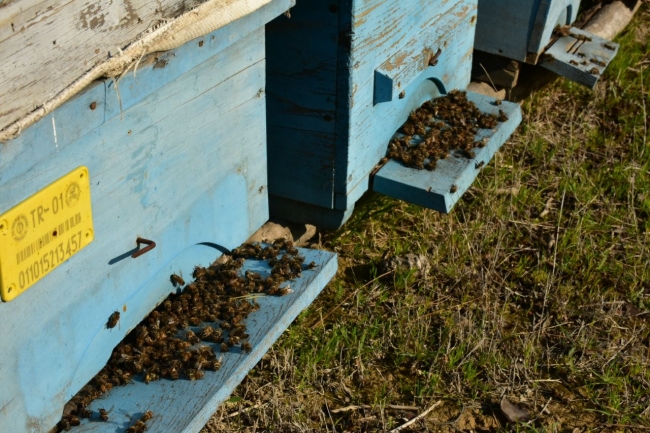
x,y
342,77
174,153
540,32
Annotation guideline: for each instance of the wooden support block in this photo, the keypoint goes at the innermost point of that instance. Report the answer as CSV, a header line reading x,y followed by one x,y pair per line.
x,y
495,70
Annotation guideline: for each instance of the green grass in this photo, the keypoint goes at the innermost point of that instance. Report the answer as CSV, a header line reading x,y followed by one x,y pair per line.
x,y
539,288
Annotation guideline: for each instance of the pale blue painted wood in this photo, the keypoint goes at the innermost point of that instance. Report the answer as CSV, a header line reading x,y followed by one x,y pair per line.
x,y
515,28
582,61
322,67
183,405
551,13
433,189
169,65
182,165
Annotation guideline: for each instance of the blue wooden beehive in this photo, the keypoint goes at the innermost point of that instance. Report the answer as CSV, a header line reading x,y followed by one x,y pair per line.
x,y
342,77
523,30
177,155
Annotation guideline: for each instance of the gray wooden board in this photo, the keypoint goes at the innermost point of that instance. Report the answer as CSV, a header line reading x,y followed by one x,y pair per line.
x,y
183,405
432,189
582,61
184,165
47,44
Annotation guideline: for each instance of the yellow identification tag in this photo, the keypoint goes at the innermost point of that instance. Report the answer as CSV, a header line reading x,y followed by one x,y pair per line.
x,y
40,233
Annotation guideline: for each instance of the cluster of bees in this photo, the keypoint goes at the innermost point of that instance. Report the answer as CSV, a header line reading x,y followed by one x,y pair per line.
x,y
438,126
170,342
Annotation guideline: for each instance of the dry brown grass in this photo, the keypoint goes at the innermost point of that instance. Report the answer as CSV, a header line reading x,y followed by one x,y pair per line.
x,y
539,289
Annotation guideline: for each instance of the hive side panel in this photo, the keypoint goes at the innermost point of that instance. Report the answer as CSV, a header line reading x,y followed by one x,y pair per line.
x,y
185,165
301,92
504,27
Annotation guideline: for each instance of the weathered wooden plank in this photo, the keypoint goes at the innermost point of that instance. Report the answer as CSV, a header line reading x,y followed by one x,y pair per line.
x,y
47,45
183,405
441,188
579,56
184,165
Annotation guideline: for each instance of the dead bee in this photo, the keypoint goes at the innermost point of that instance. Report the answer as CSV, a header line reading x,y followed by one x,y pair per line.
x,y
573,62
479,165
213,365
453,188
609,46
246,347
103,414
206,333
176,280
582,55
598,62
113,319
139,427
594,71
194,374
150,377
192,338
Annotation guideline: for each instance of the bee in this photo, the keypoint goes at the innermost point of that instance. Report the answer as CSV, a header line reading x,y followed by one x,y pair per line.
x,y
198,273
139,427
479,165
594,71
176,280
113,319
246,347
191,337
194,321
609,46
573,62
207,352
453,188
206,332
214,365
150,377
103,414
598,62
285,291
502,117
194,374
225,348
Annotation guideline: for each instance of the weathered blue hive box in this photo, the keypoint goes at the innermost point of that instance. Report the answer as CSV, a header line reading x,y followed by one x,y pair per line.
x,y
174,154
342,77
523,30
